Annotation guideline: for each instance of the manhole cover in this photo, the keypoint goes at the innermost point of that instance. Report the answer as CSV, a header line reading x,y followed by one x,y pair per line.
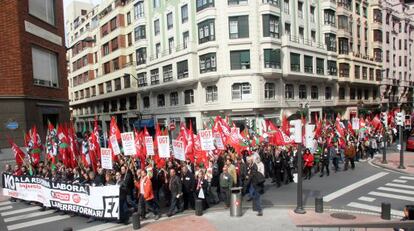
x,y
343,216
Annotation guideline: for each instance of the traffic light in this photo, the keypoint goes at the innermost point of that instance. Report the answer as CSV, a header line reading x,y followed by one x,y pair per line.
x,y
296,130
384,119
399,119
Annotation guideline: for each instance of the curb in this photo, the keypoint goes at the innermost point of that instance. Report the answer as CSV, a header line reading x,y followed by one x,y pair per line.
x,y
373,162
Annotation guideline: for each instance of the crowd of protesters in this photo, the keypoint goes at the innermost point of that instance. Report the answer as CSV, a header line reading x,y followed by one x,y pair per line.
x,y
176,186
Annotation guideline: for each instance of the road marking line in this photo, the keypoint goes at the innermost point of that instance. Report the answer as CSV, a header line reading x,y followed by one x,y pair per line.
x,y
102,227
399,181
5,203
37,222
353,186
18,211
5,208
367,199
373,208
388,195
409,192
400,186
28,215
406,177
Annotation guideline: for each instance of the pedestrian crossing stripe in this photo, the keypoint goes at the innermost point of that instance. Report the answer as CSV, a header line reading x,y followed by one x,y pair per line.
x,y
400,186
393,196
27,215
402,191
5,203
37,222
399,181
5,208
407,177
373,208
29,209
368,199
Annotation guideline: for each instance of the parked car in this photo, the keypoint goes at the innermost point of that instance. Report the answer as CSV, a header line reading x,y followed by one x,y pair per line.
x,y
410,143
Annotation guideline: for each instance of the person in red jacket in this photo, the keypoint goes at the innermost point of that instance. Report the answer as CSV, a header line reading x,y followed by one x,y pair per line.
x,y
144,188
308,163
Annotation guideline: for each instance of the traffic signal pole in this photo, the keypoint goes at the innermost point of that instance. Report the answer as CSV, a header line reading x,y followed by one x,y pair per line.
x,y
401,148
299,202
384,151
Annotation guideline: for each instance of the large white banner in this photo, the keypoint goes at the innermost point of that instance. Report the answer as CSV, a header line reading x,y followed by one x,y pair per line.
x,y
218,141
101,202
128,143
163,146
115,145
206,140
106,158
178,148
149,145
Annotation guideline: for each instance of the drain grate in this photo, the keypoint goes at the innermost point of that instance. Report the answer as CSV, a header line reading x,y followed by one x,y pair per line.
x,y
343,216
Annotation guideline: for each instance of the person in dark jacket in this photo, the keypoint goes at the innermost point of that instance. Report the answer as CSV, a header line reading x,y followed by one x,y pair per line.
x,y
325,161
123,205
226,182
202,185
188,180
128,177
277,167
255,182
175,188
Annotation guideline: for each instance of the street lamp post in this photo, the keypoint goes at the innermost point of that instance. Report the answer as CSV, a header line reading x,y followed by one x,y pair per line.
x,y
299,202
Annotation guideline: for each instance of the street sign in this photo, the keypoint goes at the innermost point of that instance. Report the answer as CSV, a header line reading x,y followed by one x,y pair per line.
x,y
172,126
398,147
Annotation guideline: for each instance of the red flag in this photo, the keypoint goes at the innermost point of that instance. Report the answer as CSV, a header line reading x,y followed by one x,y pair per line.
x,y
114,130
318,128
18,153
37,146
285,125
376,123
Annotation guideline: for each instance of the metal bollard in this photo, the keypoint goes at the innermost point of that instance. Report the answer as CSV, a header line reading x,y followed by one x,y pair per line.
x,y
386,211
68,229
198,207
318,205
136,221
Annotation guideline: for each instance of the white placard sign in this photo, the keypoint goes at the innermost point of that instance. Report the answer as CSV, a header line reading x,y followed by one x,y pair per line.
x,y
163,146
128,143
149,145
218,141
355,123
106,158
178,148
115,145
206,140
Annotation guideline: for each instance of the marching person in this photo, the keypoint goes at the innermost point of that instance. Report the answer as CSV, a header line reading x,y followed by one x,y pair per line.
x,y
325,157
226,182
255,183
187,178
201,189
176,193
144,187
350,153
308,163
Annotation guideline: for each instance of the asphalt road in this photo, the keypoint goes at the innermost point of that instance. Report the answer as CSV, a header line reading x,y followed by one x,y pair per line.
x,y
362,189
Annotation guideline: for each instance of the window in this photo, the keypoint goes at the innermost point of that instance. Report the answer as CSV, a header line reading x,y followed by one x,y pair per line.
x,y
343,46
270,91
272,58
117,84
286,6
155,78
270,26
170,45
182,69
272,2
142,79
308,61
312,14
129,18
139,10
157,50
186,38
106,48
330,41
43,9
146,101
156,3
170,21
208,63
332,69
237,2
294,62
139,32
328,93
302,92
113,24
157,27
108,87
114,105
300,9
320,66
366,94
129,39
211,94
341,93
240,60
114,44
239,27
115,64
189,96
241,91
184,13
357,71
343,70
314,92
173,98
45,67
289,91
167,73
287,29
101,88
161,100
141,54
203,4
206,31
329,17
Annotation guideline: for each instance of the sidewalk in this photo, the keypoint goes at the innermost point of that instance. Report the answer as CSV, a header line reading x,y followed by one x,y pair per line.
x,y
393,159
273,219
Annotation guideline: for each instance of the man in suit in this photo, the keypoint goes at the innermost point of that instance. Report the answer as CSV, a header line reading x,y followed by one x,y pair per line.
x,y
176,192
188,180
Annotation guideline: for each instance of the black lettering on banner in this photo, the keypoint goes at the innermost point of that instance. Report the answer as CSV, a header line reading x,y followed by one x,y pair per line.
x,y
111,207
